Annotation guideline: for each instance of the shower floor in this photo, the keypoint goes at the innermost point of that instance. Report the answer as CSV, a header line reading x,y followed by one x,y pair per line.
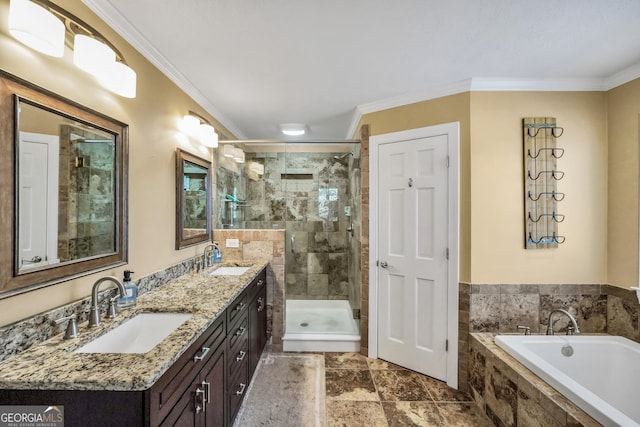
x,y
320,325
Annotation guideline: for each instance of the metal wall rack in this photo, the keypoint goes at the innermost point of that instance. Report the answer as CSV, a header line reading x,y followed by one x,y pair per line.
x,y
541,177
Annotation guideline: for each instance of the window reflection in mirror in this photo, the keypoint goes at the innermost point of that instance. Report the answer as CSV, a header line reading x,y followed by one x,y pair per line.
x,y
193,199
66,183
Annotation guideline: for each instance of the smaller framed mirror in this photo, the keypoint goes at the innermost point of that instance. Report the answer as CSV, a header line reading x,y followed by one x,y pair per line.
x,y
193,199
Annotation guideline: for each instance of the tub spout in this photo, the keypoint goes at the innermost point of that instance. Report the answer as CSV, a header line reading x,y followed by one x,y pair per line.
x,y
573,329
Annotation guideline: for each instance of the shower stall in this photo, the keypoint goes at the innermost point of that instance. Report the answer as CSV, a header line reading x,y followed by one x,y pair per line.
x,y
312,191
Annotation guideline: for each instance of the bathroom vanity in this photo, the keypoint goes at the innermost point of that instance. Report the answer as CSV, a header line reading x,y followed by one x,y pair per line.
x,y
197,376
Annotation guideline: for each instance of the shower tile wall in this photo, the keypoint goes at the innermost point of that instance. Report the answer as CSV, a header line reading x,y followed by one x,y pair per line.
x,y
86,195
310,204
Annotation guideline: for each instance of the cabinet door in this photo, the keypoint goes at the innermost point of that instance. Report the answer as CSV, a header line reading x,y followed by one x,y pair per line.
x,y
212,380
257,329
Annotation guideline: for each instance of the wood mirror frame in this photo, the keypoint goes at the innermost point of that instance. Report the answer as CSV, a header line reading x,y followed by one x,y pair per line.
x,y
184,237
12,91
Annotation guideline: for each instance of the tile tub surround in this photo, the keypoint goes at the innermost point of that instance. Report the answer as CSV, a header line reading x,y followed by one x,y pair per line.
x,y
59,368
501,308
511,395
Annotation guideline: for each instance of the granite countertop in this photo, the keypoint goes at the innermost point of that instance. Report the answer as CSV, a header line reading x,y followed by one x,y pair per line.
x,y
53,364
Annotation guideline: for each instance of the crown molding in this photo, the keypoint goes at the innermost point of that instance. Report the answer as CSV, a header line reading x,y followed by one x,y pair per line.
x,y
483,84
109,14
623,76
454,88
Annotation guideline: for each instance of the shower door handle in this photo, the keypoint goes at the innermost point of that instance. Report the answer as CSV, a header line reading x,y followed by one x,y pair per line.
x,y
293,243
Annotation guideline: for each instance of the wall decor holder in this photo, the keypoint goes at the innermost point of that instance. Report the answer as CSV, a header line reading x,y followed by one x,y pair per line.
x,y
541,177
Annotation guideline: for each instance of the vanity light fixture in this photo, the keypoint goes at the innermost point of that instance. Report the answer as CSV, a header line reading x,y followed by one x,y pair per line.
x,y
42,25
91,54
34,26
238,155
199,127
228,150
293,129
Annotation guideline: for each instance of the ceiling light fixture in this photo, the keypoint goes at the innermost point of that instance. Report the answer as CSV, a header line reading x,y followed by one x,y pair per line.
x,y
293,129
196,125
42,25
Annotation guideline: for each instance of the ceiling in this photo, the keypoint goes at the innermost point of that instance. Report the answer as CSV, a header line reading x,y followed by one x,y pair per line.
x,y
254,64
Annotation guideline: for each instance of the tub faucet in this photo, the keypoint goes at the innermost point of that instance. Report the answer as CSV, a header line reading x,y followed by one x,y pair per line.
x,y
94,313
571,329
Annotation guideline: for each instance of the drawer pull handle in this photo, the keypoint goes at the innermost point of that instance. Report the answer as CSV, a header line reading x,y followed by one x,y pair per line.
x,y
240,331
197,358
260,304
200,399
241,356
239,307
240,391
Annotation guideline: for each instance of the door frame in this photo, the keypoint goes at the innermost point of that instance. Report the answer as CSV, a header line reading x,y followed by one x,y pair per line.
x,y
452,130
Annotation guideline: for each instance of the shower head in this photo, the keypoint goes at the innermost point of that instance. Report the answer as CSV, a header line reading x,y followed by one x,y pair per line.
x,y
342,156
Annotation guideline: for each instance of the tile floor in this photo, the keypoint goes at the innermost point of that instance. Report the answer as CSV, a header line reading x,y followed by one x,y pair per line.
x,y
369,392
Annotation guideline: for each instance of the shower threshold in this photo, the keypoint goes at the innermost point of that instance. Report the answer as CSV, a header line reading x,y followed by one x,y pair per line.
x,y
320,325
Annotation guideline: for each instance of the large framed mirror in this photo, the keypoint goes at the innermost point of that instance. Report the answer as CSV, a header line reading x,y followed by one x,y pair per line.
x,y
193,199
63,186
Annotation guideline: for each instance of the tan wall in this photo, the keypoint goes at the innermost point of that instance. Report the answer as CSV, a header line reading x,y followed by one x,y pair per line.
x,y
152,117
454,108
491,182
497,220
622,227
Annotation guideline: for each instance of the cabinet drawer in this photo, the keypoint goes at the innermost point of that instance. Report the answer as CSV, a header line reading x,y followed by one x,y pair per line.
x,y
236,309
238,356
260,282
237,388
167,391
238,331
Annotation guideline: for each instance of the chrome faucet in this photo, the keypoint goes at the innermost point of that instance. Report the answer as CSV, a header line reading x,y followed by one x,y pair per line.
x,y
94,313
571,329
207,259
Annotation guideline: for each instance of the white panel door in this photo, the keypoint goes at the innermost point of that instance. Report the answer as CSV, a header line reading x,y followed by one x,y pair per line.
x,y
412,273
38,197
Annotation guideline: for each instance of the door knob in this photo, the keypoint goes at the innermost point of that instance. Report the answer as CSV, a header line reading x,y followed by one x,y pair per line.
x,y
384,264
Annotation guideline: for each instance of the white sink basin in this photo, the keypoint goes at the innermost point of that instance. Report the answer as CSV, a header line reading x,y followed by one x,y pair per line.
x,y
137,335
229,271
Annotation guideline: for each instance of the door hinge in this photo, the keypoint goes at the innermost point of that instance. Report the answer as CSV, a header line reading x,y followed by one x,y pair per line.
x,y
356,313
448,162
446,345
447,253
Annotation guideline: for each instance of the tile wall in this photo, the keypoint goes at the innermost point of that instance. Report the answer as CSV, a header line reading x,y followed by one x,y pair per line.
x,y
497,383
262,245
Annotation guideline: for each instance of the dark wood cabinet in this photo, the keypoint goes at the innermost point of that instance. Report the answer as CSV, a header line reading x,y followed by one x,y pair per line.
x,y
257,328
204,387
175,392
201,404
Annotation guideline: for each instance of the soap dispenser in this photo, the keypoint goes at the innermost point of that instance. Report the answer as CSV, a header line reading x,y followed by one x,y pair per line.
x,y
131,291
217,253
